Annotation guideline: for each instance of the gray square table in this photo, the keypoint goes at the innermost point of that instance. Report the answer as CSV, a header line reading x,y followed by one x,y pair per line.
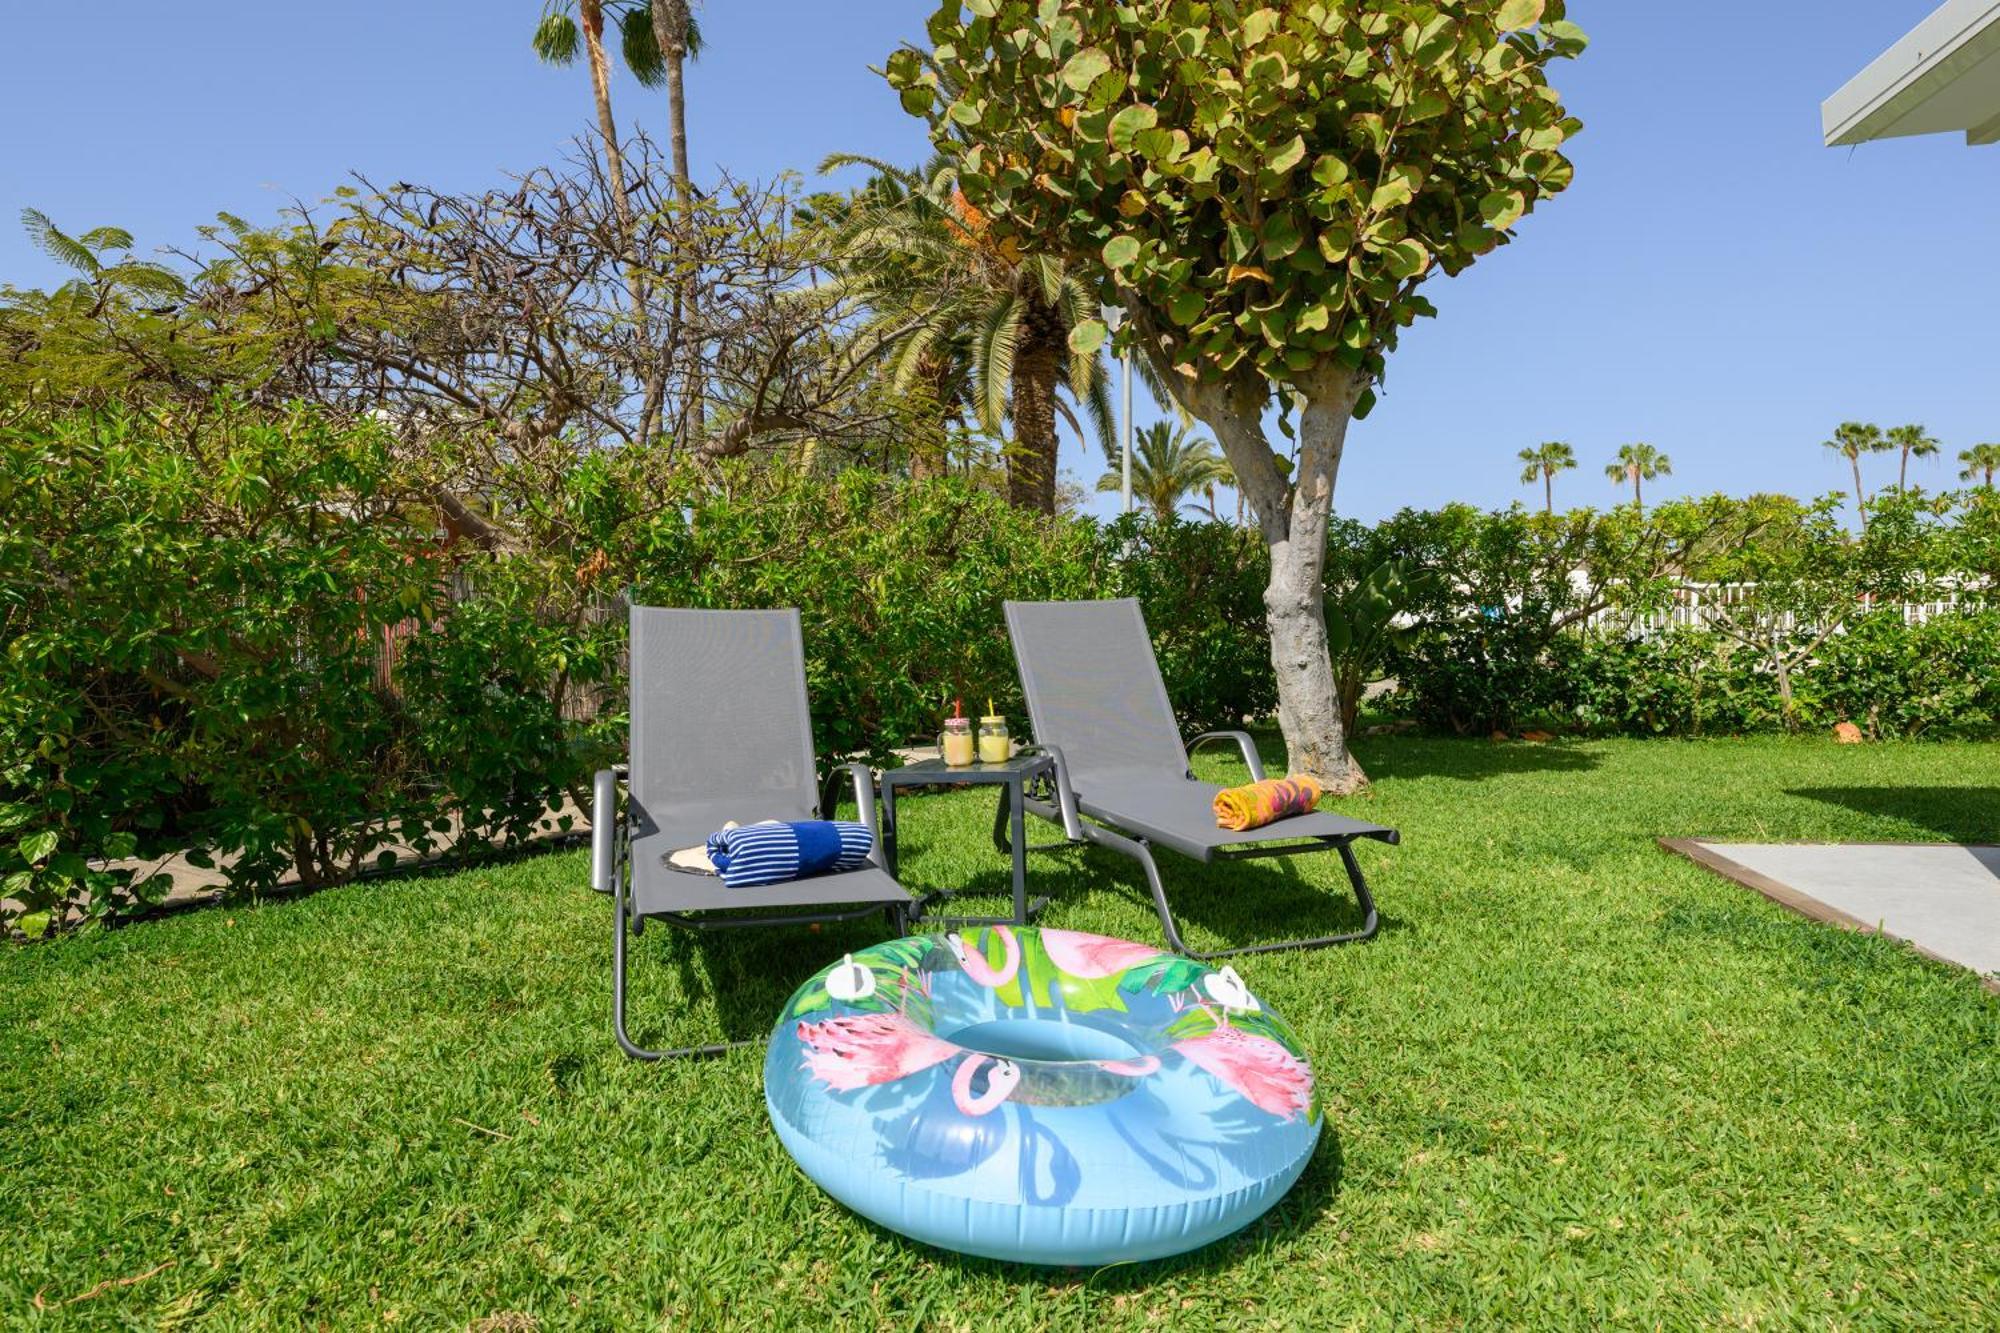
x,y
1014,774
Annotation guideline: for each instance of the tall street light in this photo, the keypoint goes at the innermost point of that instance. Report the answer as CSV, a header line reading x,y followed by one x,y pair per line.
x,y
1113,317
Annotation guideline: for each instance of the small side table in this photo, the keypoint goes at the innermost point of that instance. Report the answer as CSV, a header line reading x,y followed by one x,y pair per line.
x,y
1014,774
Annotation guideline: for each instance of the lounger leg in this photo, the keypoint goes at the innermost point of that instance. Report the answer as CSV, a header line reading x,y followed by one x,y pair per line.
x,y
1139,851
621,917
1366,900
1000,820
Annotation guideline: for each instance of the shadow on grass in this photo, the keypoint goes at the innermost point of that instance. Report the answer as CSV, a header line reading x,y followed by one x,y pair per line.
x,y
728,985
1469,760
1956,814
1224,905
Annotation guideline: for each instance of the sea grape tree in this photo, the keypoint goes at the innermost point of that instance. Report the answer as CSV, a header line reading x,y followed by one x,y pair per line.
x,y
1265,189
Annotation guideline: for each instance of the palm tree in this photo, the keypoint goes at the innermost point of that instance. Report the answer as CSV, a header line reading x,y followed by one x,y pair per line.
x,y
1981,460
676,40
1637,463
968,316
1914,442
656,37
1169,463
556,40
1851,439
1544,461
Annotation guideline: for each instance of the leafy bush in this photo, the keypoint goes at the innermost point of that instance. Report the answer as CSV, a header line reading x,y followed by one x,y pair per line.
x,y
1510,640
1201,585
247,636
190,618
1893,679
1681,683
899,586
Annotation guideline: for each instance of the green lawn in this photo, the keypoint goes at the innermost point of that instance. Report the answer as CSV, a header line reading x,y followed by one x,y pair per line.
x,y
1575,1081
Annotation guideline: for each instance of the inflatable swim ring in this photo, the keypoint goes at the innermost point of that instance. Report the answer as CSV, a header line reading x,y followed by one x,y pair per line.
x,y
1043,1096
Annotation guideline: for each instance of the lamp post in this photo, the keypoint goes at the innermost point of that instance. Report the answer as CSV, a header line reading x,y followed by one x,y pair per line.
x,y
1114,316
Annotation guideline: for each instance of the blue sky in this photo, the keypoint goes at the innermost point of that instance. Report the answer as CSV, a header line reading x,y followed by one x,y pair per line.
x,y
1716,282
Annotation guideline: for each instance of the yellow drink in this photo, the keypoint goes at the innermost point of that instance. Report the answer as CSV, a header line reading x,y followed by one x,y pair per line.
x,y
957,743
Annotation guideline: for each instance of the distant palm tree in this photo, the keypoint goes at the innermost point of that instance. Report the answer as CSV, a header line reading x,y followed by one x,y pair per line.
x,y
1914,442
1851,439
1544,461
1170,463
1981,461
1638,463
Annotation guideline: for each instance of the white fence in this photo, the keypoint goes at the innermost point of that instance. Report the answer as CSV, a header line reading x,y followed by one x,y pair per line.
x,y
1693,604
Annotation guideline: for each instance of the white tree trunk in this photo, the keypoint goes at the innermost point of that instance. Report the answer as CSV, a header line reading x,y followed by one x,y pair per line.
x,y
1294,603
1293,518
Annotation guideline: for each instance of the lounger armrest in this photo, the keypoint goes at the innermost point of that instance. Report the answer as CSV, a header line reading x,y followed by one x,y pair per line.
x,y
863,778
604,826
1243,741
1065,796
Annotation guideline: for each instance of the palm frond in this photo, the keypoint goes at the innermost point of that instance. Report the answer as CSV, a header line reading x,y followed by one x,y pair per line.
x,y
1047,273
641,47
117,238
993,359
1096,400
53,242
147,278
556,38
833,162
908,362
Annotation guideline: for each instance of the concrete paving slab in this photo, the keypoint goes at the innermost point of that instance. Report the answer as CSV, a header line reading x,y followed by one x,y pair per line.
x,y
1942,898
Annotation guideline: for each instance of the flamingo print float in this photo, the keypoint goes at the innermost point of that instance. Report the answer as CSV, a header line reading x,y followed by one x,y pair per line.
x,y
1019,1140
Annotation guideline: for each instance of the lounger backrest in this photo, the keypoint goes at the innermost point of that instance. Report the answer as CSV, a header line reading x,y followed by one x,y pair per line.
x,y
1094,687
719,711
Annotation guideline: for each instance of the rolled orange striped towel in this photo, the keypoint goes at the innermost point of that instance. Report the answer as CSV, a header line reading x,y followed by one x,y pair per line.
x,y
1261,803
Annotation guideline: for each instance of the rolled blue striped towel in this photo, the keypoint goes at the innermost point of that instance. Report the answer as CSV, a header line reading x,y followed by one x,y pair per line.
x,y
756,854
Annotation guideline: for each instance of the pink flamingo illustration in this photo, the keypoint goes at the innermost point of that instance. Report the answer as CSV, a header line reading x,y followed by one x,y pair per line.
x,y
1004,1077
860,1050
1093,957
1139,1068
973,961
857,1050
1265,1073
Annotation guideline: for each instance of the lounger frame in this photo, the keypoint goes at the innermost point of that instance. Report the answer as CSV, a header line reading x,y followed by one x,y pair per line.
x,y
1056,800
617,821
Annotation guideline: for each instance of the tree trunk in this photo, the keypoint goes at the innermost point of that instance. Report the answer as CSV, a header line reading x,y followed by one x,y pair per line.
x,y
1860,504
1031,464
592,12
1782,669
1548,492
1292,517
1294,603
670,28
930,447
1903,472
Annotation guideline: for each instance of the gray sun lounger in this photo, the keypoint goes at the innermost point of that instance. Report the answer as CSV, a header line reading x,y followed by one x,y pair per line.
x,y
719,731
1122,781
